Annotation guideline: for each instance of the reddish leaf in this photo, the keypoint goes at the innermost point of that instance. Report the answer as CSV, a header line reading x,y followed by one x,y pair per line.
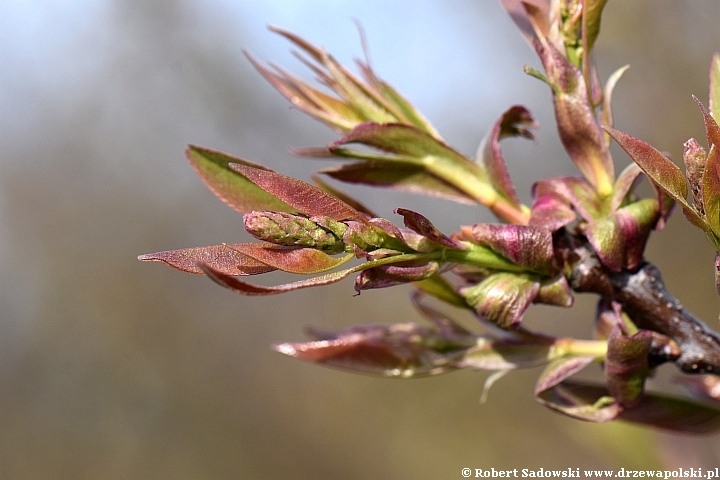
x,y
525,245
397,175
326,187
513,122
302,196
290,259
223,258
399,350
575,191
620,238
663,172
236,191
390,275
244,288
579,131
712,130
626,365
530,16
422,226
552,211
502,297
625,183
711,189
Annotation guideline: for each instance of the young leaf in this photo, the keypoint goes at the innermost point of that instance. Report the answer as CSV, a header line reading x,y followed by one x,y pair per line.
x,y
300,195
663,172
290,259
711,189
422,226
399,351
712,130
502,297
244,288
224,258
525,245
235,190
513,122
579,131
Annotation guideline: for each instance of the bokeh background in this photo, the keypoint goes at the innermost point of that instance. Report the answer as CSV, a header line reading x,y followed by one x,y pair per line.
x,y
113,368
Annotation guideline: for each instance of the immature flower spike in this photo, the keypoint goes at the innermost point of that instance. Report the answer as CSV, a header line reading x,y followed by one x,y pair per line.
x,y
295,230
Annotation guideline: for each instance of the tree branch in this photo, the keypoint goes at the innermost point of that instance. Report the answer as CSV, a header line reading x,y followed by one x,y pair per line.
x,y
645,299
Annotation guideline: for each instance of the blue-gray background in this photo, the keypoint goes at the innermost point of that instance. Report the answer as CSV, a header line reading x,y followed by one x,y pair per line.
x,y
111,368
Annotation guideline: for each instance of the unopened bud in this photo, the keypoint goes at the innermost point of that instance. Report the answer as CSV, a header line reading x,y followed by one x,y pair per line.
x,y
294,230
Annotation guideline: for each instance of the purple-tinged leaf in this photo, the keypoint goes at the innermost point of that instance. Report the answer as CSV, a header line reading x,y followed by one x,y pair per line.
x,y
513,122
289,259
581,401
300,195
326,187
712,130
607,116
574,190
390,275
525,245
555,291
500,354
223,258
626,365
502,297
422,226
397,174
620,238
409,238
402,140
235,190
244,288
674,414
408,145
579,132
311,101
532,17
661,170
437,286
552,211
399,351
593,403
560,369
714,104
711,189
625,184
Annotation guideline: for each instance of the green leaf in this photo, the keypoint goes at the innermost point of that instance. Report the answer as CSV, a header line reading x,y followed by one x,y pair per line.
x,y
592,13
715,86
663,172
515,121
235,190
502,297
290,259
711,189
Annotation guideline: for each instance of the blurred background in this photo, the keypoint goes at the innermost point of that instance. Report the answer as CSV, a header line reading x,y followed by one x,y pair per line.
x,y
113,368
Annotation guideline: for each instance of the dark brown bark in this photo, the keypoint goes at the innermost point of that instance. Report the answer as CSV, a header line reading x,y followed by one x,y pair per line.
x,y
644,298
